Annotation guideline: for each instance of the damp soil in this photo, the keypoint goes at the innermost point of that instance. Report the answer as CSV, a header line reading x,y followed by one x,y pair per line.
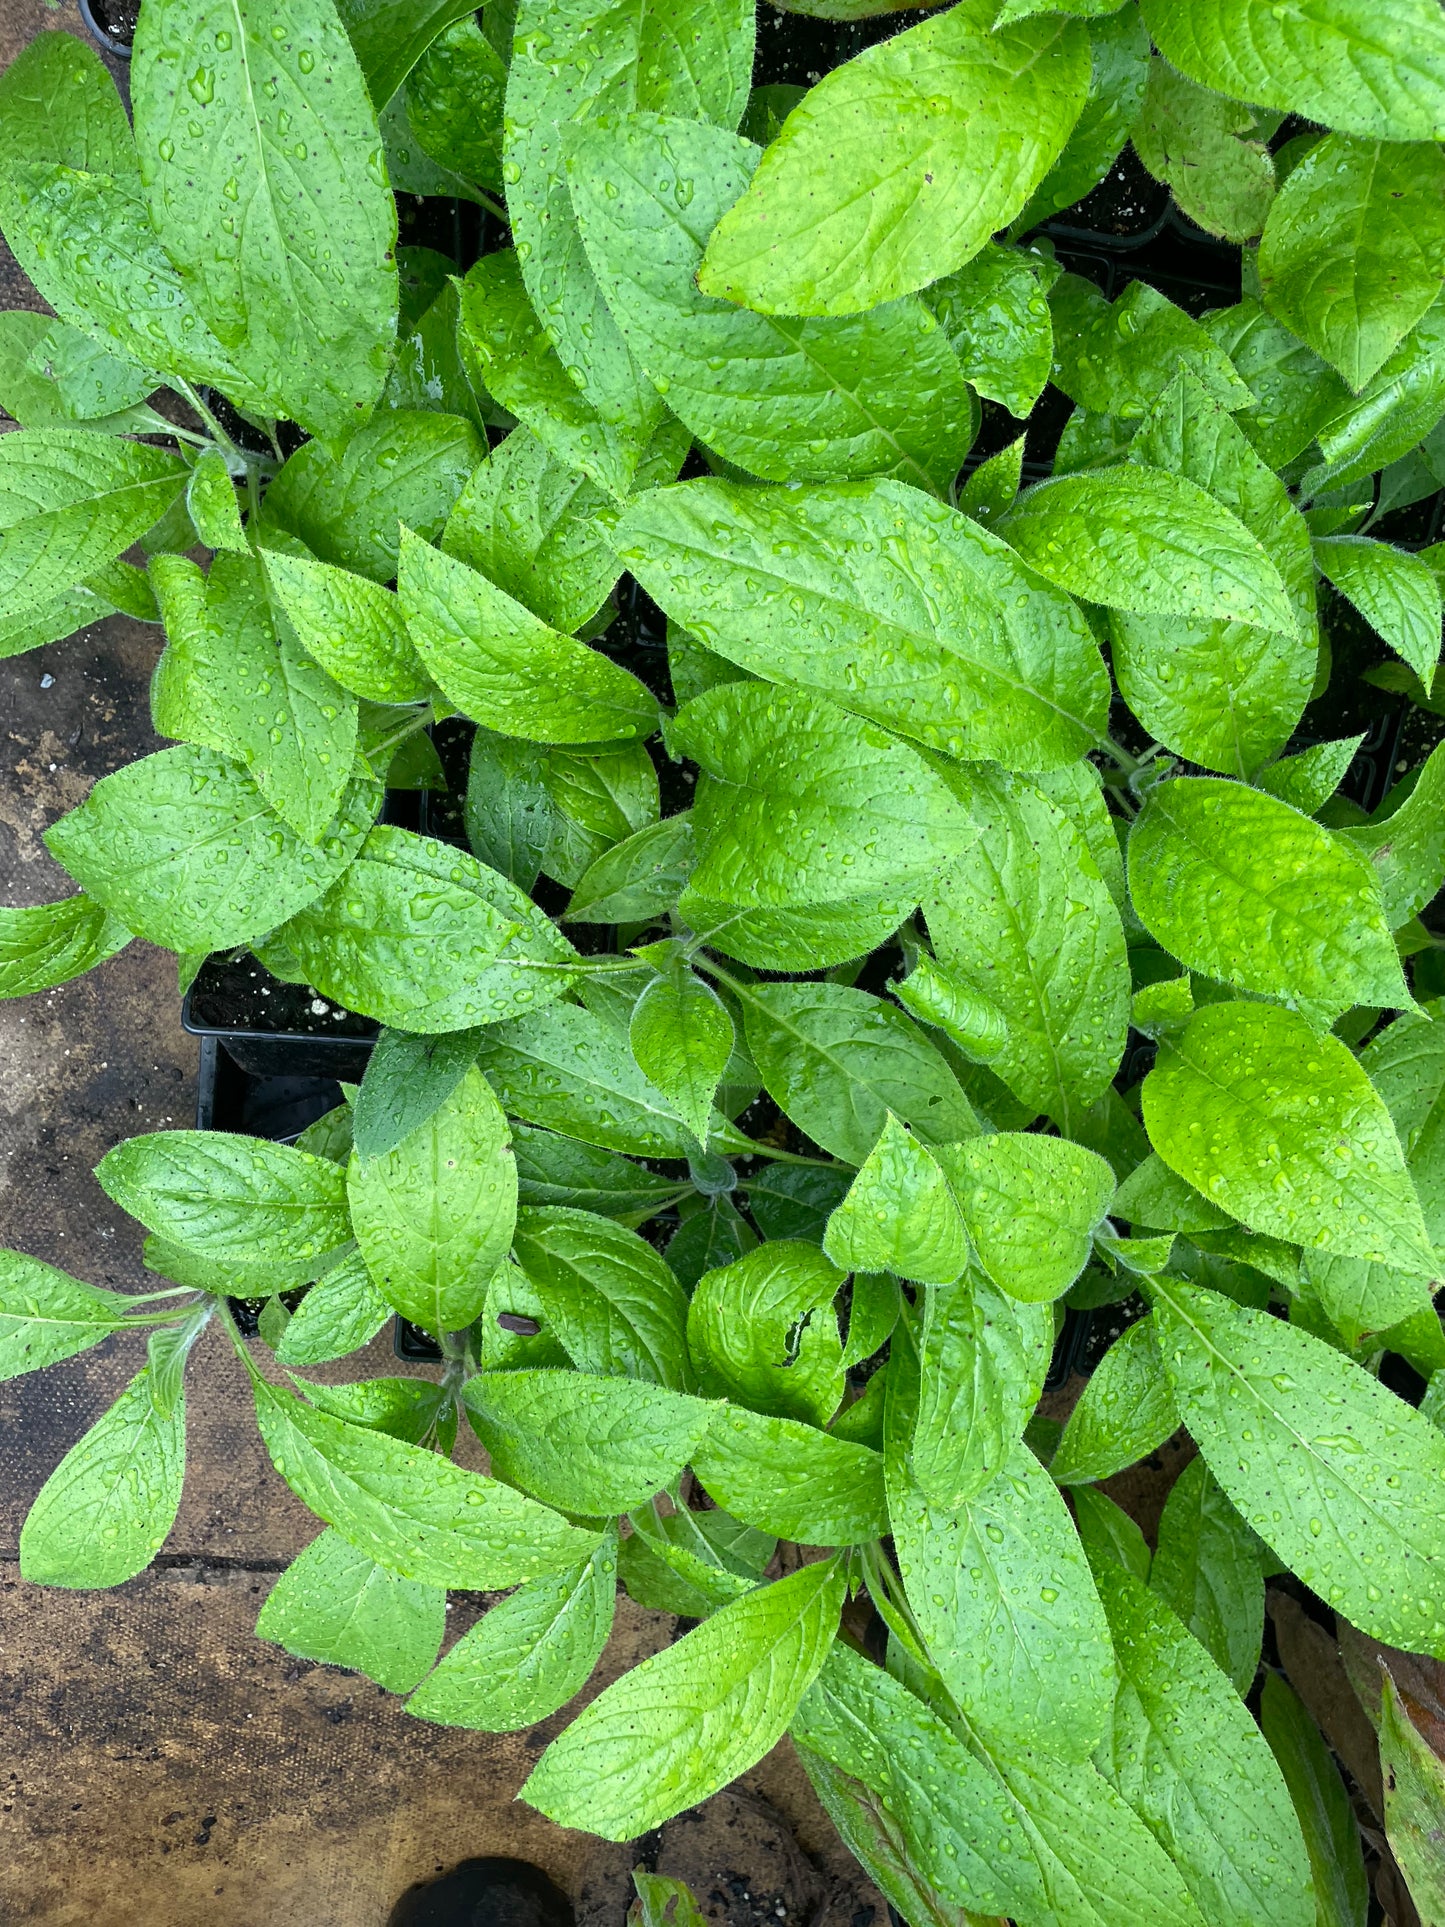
x,y
238,993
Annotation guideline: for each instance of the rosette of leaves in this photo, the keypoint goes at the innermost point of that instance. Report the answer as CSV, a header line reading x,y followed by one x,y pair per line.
x,y
965,920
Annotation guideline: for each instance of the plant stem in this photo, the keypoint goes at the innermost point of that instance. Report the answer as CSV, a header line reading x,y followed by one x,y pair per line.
x,y
1130,765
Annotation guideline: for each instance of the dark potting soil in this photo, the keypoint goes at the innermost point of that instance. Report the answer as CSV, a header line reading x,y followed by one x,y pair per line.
x,y
1128,201
113,22
238,993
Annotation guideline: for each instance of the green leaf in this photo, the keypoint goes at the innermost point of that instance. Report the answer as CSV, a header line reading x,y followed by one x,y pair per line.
x,y
46,1315
786,1478
425,938
1031,1204
339,1314
554,1170
982,1360
1226,694
819,400
53,376
1396,593
613,1303
682,1037
1107,1532
509,814
1207,1569
1100,1865
403,467
663,1901
224,119
1154,1198
454,103
1283,1129
1118,76
802,936
1208,151
1186,1754
1319,1457
1406,844
1244,889
992,488
838,1060
1118,359
803,803
1025,923
428,371
1309,780
1395,409
1414,1777
997,322
1002,1595
539,530
1406,1065
693,1716
60,103
50,943
1381,74
388,37
105,1511
499,664
335,1605
1331,1832
1353,252
71,501
505,349
638,878
839,215
348,624
572,1072
434,1216
764,1331
919,619
899,1215
570,61
224,1196
1126,1411
408,1078
1143,540
952,1823
407,1508
211,503
593,1445
182,846
1294,391
527,1655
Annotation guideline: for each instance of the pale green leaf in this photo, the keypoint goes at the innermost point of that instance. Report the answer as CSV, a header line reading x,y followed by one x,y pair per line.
x,y
764,1331
1339,1476
434,1216
1186,1754
1353,252
919,619
211,503
997,322
820,399
787,1478
693,1716
335,1605
49,943
351,625
528,1654
572,1072
425,938
611,1300
339,1314
838,1060
1025,922
1396,593
1282,1128
590,1445
982,1361
1294,391
1379,73
866,194
1242,888
105,1511
1126,1411
682,1037
899,1215
1031,1204
46,1315
225,122
1143,540
1117,359
409,1509
1207,150
637,878
499,664
1309,780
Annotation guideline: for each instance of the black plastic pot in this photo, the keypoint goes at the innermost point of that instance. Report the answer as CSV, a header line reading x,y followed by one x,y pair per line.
x,y
112,23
